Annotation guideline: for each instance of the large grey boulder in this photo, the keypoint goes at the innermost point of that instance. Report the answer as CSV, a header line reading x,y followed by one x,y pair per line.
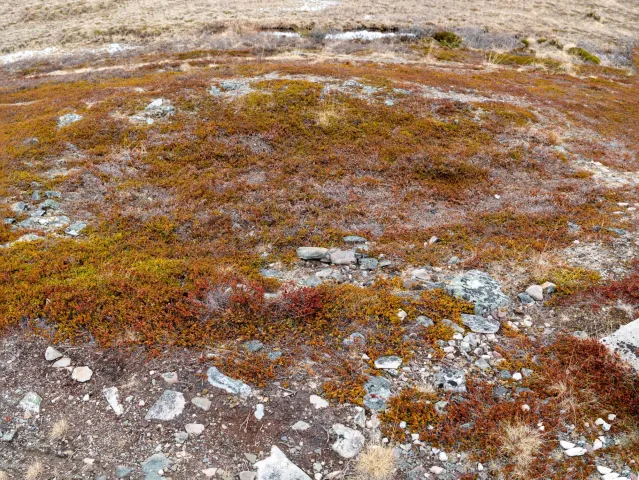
x,y
625,342
479,324
479,288
230,385
278,467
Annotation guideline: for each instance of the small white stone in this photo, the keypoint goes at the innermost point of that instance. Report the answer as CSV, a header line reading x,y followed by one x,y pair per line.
x,y
480,467
194,428
597,444
436,470
443,457
611,476
525,408
318,402
603,470
536,292
300,426
62,363
612,417
517,376
575,452
82,374
51,354
566,445
259,411
209,472
402,314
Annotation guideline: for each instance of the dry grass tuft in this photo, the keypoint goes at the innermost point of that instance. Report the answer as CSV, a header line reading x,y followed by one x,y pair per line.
x,y
4,475
376,463
59,430
35,471
521,443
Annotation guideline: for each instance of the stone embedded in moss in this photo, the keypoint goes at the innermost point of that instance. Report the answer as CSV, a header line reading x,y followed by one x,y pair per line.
x,y
481,289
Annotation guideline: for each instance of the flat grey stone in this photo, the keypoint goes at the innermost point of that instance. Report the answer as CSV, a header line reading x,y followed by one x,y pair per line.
x,y
312,253
152,465
536,292
480,324
479,288
451,380
75,229
169,406
424,321
349,441
378,391
525,298
388,363
343,257
68,119
453,325
253,346
219,380
354,239
368,263
278,467
111,395
201,402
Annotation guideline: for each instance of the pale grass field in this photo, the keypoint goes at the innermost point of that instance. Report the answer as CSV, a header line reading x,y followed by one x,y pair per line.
x,y
37,24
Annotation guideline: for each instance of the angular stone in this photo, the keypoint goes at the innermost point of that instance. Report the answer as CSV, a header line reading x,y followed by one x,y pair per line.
x,y
111,395
479,288
536,292
548,287
169,406
170,378
349,441
194,429
201,402
300,426
278,467
451,380
312,253
625,343
355,338
230,385
64,362
122,471
318,402
30,403
51,354
82,374
253,346
480,324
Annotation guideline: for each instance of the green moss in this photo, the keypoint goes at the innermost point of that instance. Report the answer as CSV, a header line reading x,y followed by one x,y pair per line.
x,y
448,39
584,55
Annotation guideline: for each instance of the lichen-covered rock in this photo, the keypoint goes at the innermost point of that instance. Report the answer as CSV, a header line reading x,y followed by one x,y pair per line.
x,y
479,324
349,442
625,342
230,385
479,288
451,380
378,391
169,406
312,253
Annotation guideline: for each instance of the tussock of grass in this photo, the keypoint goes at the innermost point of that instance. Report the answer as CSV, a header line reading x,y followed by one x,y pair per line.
x,y
376,463
522,444
58,430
